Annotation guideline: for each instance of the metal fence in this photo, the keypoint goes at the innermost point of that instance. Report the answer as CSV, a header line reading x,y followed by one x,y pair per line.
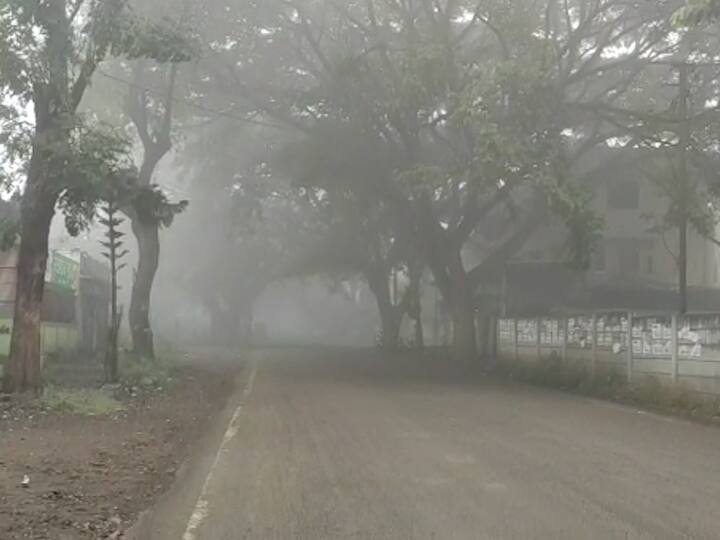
x,y
681,349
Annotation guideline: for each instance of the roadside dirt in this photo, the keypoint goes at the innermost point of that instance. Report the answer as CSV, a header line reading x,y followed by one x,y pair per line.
x,y
89,477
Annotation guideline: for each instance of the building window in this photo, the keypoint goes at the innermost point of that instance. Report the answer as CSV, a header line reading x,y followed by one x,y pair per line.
x,y
623,194
649,264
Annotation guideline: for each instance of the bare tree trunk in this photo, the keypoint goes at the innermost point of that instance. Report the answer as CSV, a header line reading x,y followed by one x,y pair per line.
x,y
415,310
419,334
458,293
390,315
390,327
24,368
464,334
148,241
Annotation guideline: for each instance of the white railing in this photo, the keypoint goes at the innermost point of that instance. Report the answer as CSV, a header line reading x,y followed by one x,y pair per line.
x,y
681,349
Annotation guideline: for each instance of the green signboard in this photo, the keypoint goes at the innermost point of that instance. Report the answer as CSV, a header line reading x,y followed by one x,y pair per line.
x,y
64,271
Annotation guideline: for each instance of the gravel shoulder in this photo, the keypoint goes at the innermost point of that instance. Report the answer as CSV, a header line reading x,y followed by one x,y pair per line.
x,y
91,476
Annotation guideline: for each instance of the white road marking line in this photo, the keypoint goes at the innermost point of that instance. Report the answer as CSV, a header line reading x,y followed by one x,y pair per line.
x,y
200,513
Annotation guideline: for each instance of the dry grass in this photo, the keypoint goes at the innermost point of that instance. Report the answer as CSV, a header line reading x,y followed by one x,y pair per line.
x,y
650,392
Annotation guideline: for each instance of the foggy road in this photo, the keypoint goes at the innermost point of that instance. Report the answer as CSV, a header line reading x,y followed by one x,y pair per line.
x,y
332,445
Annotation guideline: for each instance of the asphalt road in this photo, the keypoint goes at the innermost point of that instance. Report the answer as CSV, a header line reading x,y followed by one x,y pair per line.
x,y
331,445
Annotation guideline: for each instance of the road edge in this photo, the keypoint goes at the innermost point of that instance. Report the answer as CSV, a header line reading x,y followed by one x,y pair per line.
x,y
189,485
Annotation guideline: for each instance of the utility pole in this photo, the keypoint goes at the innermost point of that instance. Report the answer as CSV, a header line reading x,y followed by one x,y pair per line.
x,y
683,143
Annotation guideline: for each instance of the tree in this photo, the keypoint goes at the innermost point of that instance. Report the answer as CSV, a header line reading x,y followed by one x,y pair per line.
x,y
408,82
147,95
244,226
48,54
113,243
665,118
155,136
681,161
361,234
147,101
484,107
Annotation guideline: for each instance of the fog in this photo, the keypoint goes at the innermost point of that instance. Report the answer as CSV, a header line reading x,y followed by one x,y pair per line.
x,y
303,268
367,173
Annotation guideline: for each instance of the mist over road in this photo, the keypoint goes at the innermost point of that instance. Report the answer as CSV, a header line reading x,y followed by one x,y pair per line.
x,y
346,445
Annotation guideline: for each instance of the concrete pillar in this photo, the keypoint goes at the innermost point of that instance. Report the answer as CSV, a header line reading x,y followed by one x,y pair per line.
x,y
629,351
516,346
675,351
594,337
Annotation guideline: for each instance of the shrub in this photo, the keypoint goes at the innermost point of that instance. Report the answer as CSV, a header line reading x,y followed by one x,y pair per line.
x,y
143,373
649,391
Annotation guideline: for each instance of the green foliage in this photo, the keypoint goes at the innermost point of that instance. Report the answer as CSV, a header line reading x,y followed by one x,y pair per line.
x,y
573,205
310,164
697,12
99,169
144,373
113,243
83,402
9,232
101,28
153,206
135,37
422,118
79,155
97,165
15,143
18,45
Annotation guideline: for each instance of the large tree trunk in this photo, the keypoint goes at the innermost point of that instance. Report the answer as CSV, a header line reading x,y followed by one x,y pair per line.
x,y
464,334
50,99
24,368
458,293
390,327
415,309
148,240
156,143
390,315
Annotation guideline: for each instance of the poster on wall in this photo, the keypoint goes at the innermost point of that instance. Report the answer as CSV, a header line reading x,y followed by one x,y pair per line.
x,y
64,271
527,331
580,332
506,330
550,332
612,332
697,335
655,333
